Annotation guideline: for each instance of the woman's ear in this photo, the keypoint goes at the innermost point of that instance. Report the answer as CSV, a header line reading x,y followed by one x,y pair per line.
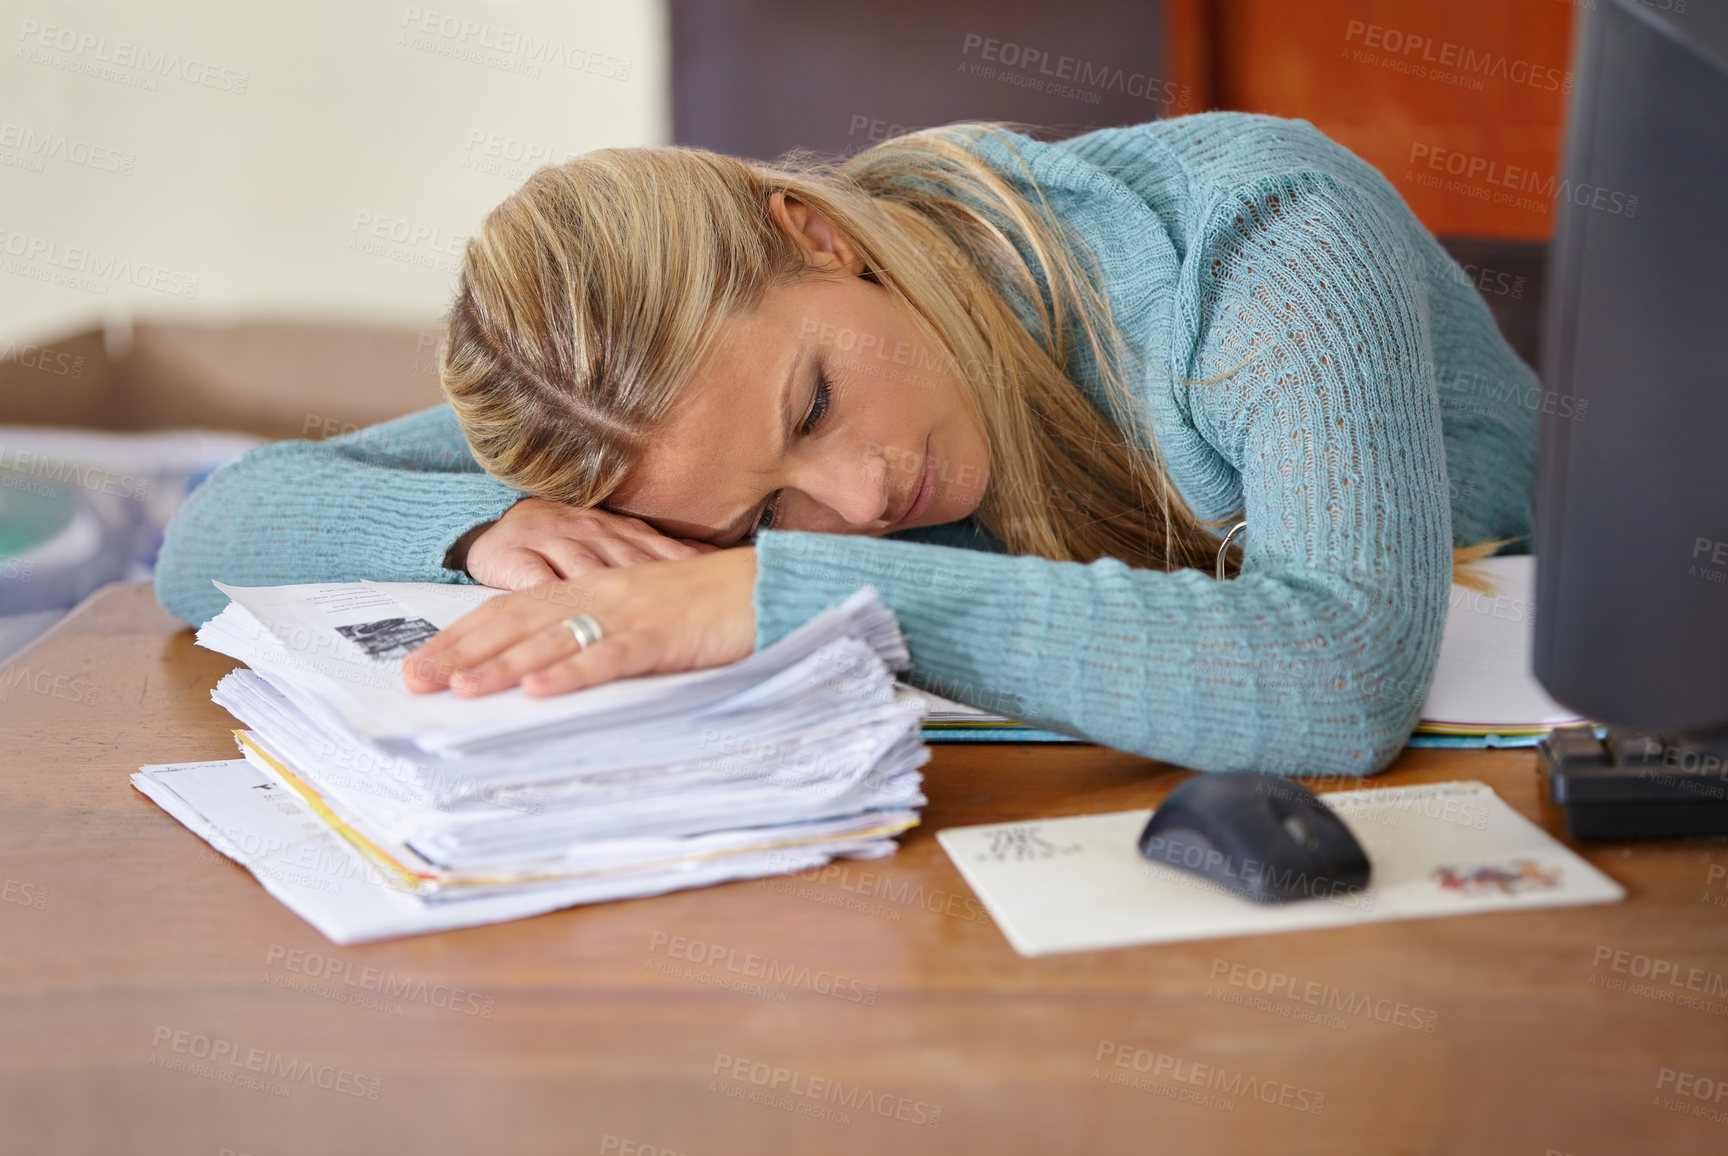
x,y
825,246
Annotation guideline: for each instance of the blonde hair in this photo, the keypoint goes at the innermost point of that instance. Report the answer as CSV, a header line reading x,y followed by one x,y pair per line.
x,y
587,297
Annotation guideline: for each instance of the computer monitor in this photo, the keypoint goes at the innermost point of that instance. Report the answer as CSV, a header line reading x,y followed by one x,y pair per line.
x,y
1631,531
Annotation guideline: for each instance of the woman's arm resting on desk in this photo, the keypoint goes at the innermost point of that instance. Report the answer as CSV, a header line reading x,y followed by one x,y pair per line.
x,y
403,501
1314,660
386,502
540,541
1317,658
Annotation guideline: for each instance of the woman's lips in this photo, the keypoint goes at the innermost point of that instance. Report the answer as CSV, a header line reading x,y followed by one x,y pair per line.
x,y
926,488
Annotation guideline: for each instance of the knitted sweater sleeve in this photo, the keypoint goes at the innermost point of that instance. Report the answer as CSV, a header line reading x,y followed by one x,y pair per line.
x,y
1316,658
386,503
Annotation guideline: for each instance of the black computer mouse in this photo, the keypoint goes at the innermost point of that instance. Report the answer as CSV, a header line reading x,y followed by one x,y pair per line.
x,y
1258,836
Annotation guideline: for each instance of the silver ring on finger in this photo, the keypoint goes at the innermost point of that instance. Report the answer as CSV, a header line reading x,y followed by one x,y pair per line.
x,y
586,631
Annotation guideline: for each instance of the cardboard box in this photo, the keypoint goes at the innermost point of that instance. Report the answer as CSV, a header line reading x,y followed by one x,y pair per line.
x,y
273,379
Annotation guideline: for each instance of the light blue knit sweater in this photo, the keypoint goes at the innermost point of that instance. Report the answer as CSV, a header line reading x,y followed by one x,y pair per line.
x,y
1379,420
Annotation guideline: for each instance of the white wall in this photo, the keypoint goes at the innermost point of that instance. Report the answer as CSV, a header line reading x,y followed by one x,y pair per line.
x,y
221,159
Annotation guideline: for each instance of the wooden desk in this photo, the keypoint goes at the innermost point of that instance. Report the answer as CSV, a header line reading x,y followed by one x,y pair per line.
x,y
126,947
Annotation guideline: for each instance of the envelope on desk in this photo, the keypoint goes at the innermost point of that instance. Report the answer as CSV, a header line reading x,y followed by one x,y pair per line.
x,y
1080,883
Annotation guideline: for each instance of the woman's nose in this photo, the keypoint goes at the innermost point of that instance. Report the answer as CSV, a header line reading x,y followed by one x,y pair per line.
x,y
856,495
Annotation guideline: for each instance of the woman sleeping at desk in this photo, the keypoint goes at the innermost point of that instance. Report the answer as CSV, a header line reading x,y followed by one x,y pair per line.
x,y
1029,392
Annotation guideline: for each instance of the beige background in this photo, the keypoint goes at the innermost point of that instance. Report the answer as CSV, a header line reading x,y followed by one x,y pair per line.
x,y
354,116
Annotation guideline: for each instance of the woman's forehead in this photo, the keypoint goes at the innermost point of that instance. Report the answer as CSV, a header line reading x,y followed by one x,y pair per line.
x,y
707,462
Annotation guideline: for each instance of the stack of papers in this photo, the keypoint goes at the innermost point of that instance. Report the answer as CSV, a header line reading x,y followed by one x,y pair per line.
x,y
1485,683
947,721
375,812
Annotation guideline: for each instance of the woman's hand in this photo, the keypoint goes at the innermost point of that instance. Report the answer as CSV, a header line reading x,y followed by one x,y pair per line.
x,y
657,618
539,541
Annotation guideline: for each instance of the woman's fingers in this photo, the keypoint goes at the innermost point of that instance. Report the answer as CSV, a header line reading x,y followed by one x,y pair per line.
x,y
431,666
505,652
620,539
539,541
516,568
505,669
622,656
488,633
654,546
475,640
621,552
569,558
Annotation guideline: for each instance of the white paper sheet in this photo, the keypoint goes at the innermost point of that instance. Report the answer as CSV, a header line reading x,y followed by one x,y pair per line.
x,y
289,634
303,863
1081,884
1485,676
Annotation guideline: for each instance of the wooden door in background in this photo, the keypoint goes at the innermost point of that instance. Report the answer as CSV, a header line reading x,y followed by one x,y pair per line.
x,y
757,77
1460,103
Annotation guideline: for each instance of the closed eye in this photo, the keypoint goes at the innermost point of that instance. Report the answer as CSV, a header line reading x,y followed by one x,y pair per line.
x,y
821,400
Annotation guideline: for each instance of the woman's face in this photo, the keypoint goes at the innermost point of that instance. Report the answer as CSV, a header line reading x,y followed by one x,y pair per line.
x,y
825,409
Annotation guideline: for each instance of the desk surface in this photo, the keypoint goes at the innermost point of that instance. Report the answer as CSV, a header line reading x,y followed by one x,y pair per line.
x,y
140,974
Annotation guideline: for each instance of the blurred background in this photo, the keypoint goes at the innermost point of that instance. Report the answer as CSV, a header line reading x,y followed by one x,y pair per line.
x,y
223,223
